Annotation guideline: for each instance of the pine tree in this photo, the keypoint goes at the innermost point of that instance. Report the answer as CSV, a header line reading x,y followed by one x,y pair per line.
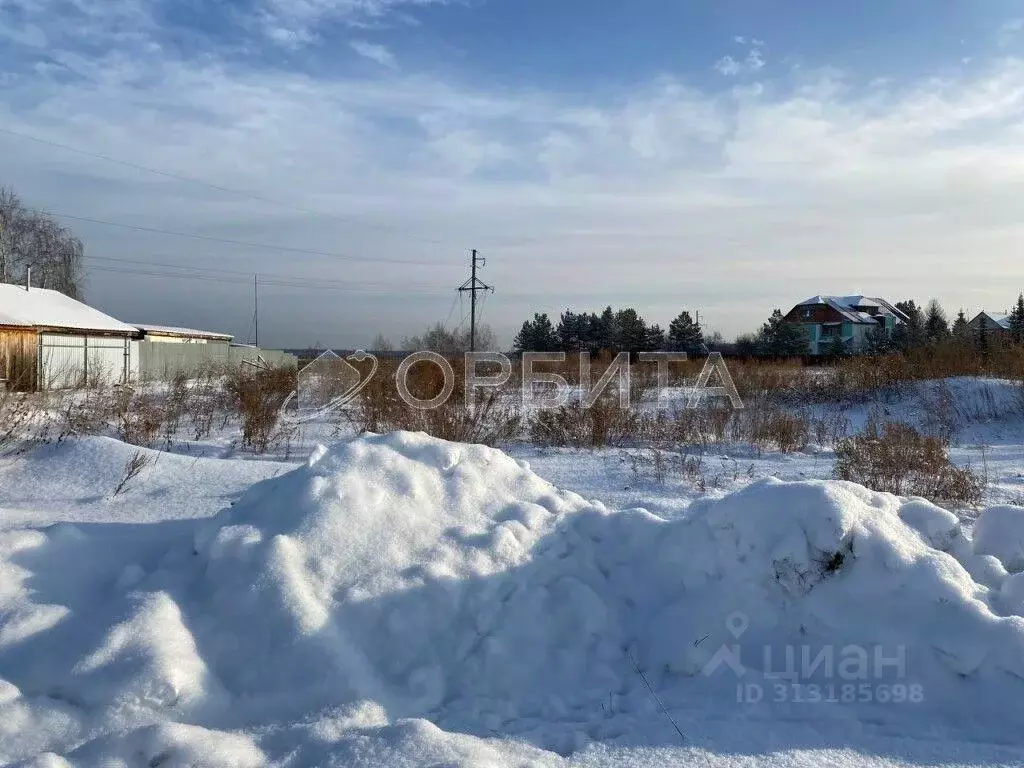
x,y
879,342
537,335
572,331
960,330
632,331
911,333
605,332
655,339
835,347
1017,321
685,335
936,327
781,339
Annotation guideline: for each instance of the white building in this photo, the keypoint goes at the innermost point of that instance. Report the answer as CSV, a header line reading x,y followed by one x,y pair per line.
x,y
51,341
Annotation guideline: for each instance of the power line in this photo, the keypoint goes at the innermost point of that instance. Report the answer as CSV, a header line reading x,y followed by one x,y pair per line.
x,y
229,241
219,188
326,282
312,285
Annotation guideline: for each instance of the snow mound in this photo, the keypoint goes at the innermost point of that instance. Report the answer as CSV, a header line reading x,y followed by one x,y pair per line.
x,y
999,531
395,580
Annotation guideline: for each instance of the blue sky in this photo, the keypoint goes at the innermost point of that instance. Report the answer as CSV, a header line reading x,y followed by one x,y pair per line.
x,y
724,156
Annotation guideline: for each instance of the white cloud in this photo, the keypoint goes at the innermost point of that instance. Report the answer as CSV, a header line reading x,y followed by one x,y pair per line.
x,y
295,21
728,66
731,67
1010,32
736,200
374,52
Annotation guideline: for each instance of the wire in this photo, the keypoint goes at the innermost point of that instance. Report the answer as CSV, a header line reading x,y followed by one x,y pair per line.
x,y
312,285
455,298
268,276
229,190
229,241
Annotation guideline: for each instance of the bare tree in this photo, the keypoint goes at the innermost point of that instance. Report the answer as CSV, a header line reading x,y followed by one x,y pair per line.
x,y
31,240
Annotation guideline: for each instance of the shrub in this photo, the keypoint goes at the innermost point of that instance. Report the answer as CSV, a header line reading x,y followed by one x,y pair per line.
x,y
602,424
258,394
898,459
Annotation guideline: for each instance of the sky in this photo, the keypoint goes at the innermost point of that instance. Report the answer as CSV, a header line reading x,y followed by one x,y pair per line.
x,y
720,156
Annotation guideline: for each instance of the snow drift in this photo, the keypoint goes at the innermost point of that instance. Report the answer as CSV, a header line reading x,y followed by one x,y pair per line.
x,y
401,598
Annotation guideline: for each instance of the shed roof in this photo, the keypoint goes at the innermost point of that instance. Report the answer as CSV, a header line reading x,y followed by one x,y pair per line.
x,y
44,308
173,330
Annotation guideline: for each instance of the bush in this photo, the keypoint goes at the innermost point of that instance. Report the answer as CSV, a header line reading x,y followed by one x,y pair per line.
x,y
602,424
898,459
258,395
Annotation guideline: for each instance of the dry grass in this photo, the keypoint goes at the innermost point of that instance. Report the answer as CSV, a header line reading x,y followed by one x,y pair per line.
x,y
137,462
896,458
257,395
487,419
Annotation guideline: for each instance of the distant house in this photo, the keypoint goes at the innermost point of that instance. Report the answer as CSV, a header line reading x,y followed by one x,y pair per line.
x,y
848,319
996,324
51,341
168,334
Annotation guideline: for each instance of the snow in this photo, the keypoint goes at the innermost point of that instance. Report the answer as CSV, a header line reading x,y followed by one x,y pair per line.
x,y
399,600
173,330
44,308
999,531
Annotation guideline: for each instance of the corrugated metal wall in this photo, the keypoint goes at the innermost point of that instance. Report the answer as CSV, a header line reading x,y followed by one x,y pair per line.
x,y
71,361
161,362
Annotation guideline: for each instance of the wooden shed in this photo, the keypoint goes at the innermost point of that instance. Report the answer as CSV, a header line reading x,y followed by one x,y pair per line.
x,y
51,341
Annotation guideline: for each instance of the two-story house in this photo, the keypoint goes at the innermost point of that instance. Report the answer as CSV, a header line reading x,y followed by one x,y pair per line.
x,y
850,319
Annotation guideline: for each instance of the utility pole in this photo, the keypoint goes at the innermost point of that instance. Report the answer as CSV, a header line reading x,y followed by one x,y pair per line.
x,y
256,307
473,285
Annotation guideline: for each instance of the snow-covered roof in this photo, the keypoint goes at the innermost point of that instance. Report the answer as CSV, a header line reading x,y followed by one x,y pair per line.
x,y
847,307
173,330
43,308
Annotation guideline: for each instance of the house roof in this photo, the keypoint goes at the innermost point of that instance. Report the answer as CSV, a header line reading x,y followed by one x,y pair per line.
x,y
999,318
846,306
43,308
173,330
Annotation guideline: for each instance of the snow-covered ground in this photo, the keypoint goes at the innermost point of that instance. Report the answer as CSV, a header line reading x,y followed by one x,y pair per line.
x,y
402,601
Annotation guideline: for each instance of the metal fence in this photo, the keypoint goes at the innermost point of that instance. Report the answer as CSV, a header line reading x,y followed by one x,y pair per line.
x,y
162,362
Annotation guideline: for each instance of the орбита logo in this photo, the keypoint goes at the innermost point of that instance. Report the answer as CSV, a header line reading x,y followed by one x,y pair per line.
x,y
330,382
823,674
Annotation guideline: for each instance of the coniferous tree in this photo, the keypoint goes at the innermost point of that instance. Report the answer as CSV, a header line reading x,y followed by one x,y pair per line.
x,y
537,335
936,327
685,335
879,342
781,339
605,331
1017,321
911,333
960,328
632,331
573,331
656,338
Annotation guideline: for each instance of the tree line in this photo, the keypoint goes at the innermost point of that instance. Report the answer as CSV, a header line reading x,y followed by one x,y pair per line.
x,y
624,330
925,326
33,240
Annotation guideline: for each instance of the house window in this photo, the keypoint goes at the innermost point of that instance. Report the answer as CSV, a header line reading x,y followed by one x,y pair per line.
x,y
808,313
829,331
